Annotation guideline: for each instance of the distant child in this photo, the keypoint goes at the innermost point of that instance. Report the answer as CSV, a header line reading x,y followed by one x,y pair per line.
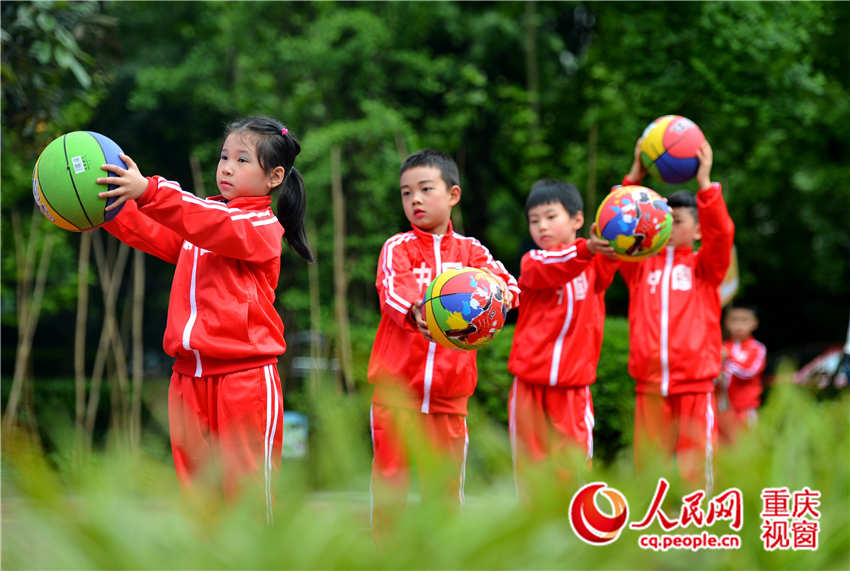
x,y
739,386
225,403
674,327
558,334
421,386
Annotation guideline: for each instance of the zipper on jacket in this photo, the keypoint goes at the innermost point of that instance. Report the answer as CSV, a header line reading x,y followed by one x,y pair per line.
x,y
432,347
665,322
559,343
193,313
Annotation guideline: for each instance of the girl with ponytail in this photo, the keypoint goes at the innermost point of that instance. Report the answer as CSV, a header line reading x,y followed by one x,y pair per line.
x,y
225,402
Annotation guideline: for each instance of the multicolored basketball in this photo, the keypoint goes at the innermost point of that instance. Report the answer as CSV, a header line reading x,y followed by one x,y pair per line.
x,y
635,220
669,148
64,180
464,308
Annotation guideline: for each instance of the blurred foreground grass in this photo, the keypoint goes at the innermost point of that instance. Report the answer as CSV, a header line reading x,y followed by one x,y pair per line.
x,y
118,510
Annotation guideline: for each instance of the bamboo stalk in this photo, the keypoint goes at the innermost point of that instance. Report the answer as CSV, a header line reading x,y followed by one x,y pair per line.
x,y
26,330
315,316
83,261
138,346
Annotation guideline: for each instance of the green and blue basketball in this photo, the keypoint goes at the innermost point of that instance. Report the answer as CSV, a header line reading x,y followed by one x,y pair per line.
x,y
464,308
669,148
64,180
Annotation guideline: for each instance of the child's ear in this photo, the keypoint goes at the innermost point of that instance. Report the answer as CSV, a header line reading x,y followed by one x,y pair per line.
x,y
579,219
276,176
454,195
697,233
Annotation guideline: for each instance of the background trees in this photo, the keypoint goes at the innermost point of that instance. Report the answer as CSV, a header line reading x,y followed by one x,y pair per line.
x,y
515,91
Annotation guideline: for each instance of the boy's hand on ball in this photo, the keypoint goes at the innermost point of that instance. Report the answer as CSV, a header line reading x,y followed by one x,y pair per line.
x,y
419,321
705,156
129,183
599,245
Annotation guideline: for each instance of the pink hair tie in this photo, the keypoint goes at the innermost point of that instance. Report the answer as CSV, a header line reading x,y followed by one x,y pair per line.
x,y
284,131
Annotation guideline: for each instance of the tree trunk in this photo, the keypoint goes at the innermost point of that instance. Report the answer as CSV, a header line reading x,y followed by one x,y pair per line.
x,y
197,177
532,69
340,277
590,193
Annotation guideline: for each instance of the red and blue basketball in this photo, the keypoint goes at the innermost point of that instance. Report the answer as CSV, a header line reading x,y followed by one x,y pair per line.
x,y
64,180
635,220
669,148
464,308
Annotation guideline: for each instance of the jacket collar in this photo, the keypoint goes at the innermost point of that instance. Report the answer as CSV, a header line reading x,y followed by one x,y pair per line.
x,y
245,202
422,234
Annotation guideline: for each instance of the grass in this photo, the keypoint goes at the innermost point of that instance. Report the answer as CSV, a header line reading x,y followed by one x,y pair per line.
x,y
114,509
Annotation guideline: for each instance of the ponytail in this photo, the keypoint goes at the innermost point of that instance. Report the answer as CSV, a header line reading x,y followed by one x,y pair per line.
x,y
277,147
291,206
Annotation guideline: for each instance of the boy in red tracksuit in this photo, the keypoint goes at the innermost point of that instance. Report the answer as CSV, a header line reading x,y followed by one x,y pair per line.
x,y
420,385
739,386
225,401
674,327
558,334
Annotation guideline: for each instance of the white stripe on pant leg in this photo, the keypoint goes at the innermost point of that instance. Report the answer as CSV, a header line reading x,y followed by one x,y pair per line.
x,y
275,415
709,448
589,421
372,475
512,428
463,466
266,442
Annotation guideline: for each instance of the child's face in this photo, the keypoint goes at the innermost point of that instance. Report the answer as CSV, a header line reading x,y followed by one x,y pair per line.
x,y
239,172
685,227
426,199
740,323
550,225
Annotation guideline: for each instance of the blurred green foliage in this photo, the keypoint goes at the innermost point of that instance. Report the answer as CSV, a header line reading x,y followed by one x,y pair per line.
x,y
118,510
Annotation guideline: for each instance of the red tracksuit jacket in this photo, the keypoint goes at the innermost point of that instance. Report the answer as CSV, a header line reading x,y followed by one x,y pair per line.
x,y
438,378
221,314
674,306
558,333
743,369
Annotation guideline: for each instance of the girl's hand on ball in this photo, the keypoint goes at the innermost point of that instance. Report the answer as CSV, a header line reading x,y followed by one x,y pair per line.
x,y
129,183
705,156
598,245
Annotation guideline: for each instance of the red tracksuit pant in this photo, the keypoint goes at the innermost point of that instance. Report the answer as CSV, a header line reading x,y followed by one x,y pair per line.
x,y
436,443
228,427
681,425
548,425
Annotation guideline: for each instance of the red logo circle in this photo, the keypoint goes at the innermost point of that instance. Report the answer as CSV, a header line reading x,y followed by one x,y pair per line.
x,y
592,525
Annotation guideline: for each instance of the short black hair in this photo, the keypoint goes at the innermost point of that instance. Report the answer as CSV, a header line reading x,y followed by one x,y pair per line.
x,y
742,305
684,199
432,158
548,190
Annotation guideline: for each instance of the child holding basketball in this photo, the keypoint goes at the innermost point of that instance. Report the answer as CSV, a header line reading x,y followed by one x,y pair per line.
x,y
674,327
739,386
558,334
419,385
225,400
